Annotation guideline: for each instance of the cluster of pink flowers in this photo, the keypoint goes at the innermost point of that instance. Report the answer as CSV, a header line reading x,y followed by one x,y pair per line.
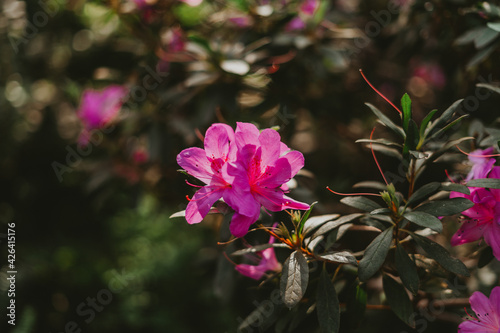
x,y
483,219
306,12
248,169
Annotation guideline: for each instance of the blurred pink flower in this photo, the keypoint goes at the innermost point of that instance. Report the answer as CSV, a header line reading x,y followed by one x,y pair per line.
x,y
268,262
295,24
487,312
246,168
308,7
431,73
241,21
483,219
99,108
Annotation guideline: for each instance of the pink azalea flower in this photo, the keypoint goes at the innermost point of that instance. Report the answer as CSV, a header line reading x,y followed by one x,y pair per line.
x,y
99,108
268,262
212,166
481,166
483,219
246,168
296,23
487,312
269,165
308,7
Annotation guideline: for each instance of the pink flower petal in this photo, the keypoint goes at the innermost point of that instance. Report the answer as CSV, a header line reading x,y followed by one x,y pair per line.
x,y
468,232
200,204
246,133
270,140
492,238
251,271
196,163
240,224
217,141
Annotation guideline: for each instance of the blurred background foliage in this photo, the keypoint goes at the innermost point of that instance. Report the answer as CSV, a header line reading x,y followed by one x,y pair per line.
x,y
187,65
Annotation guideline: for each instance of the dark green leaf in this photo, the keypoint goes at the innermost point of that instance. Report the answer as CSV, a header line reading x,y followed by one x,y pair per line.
x,y
412,137
375,255
423,192
455,187
482,54
485,182
305,217
257,248
447,127
327,305
343,257
356,303
386,121
371,184
445,207
328,226
485,37
407,270
316,221
485,257
294,279
360,203
445,117
447,146
439,253
388,151
380,211
489,86
384,142
406,106
398,300
424,220
425,122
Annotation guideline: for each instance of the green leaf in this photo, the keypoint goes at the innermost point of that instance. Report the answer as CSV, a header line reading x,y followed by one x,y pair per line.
x,y
447,146
398,300
375,255
371,184
455,188
360,203
425,122
257,248
485,182
423,192
485,257
445,117
343,257
317,221
294,279
328,226
407,270
445,207
386,121
383,142
304,218
447,127
489,86
356,303
486,37
406,105
327,305
439,253
388,151
424,220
